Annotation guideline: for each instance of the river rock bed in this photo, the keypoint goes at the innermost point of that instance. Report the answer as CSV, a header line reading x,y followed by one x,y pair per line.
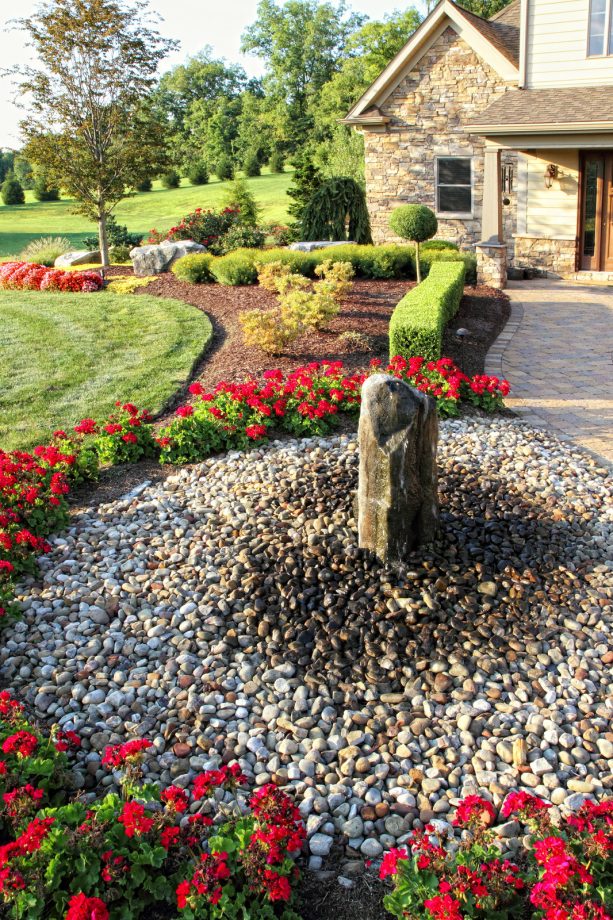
x,y
227,612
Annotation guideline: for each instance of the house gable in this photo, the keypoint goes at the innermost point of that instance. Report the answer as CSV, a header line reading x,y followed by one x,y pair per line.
x,y
483,37
423,119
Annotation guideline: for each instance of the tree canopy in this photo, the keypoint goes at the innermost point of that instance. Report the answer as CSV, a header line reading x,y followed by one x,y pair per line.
x,y
91,126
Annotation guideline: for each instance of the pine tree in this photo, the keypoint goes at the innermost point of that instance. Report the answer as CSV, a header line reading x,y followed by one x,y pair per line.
x,y
306,181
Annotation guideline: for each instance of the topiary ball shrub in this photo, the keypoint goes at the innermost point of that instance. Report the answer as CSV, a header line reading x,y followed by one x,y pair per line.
x,y
145,186
225,168
195,268
414,222
198,174
236,268
12,192
171,179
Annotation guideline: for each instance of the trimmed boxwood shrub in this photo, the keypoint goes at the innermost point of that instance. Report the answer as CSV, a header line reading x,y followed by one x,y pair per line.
x,y
376,262
236,268
302,263
468,258
418,322
439,244
195,268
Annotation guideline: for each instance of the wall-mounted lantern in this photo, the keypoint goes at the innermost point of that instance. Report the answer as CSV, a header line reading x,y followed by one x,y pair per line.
x,y
551,172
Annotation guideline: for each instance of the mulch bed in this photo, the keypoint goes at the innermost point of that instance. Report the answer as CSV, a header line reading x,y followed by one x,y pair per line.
x,y
357,335
365,314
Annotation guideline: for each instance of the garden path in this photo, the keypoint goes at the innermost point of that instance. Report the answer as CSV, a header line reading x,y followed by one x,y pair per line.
x,y
557,351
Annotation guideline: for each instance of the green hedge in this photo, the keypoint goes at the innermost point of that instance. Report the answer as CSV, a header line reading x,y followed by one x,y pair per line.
x,y
418,322
375,262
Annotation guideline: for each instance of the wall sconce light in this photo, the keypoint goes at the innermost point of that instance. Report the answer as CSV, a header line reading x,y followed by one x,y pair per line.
x,y
551,173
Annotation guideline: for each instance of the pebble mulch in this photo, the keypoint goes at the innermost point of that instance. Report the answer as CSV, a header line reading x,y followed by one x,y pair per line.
x,y
227,612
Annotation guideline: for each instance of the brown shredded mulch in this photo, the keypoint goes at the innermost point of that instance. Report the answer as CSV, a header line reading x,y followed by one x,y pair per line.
x,y
357,335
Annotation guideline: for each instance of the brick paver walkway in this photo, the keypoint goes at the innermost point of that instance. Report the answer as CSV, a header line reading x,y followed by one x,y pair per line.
x,y
557,352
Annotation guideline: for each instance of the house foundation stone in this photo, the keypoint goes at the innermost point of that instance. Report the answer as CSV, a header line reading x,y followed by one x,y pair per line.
x,y
492,264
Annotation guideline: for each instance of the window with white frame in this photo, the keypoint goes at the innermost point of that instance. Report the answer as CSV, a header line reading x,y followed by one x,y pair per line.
x,y
454,185
600,29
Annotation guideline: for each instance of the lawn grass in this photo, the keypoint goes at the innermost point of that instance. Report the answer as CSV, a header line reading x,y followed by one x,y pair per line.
x,y
159,208
67,356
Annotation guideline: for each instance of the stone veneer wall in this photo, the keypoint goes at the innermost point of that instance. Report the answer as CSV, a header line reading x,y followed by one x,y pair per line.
x,y
555,256
429,107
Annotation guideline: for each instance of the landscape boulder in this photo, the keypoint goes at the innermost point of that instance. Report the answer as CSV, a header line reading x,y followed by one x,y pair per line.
x,y
319,244
397,502
78,257
153,260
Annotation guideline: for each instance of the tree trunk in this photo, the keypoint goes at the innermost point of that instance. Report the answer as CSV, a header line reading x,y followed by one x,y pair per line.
x,y
103,241
417,265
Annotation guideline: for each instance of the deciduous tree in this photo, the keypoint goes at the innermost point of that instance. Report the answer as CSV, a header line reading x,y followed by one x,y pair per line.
x,y
90,125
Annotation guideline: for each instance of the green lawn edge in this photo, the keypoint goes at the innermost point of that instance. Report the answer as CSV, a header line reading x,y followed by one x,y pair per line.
x,y
68,356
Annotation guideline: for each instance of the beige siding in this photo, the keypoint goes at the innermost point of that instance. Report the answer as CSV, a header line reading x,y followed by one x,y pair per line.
x,y
557,46
551,213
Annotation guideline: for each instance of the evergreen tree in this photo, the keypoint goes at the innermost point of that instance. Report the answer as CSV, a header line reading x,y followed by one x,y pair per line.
x,y
12,192
306,181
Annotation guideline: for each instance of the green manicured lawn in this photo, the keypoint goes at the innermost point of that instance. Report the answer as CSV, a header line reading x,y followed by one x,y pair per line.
x,y
68,356
160,208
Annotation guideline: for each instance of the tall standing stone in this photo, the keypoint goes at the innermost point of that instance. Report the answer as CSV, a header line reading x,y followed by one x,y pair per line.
x,y
397,493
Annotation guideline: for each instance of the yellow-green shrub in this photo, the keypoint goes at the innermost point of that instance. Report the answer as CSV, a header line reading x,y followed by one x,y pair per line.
x,y
302,305
194,268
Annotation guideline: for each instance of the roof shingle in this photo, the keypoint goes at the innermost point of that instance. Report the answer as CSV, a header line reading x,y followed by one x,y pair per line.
x,y
501,31
550,107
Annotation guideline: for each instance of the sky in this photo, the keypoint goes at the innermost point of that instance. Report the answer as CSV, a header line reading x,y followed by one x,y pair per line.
x,y
195,23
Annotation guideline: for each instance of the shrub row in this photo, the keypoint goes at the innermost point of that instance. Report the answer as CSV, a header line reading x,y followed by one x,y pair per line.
x,y
375,262
206,851
419,320
27,276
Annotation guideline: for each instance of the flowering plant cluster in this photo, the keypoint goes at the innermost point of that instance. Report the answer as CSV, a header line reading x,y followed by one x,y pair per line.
x,y
305,402
567,873
27,276
209,851
124,437
33,765
444,381
202,226
33,487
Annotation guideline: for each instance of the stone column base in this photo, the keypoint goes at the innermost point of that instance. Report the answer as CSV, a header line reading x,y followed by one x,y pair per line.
x,y
492,264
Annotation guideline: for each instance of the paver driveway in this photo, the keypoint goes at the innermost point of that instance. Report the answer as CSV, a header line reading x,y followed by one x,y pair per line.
x,y
557,352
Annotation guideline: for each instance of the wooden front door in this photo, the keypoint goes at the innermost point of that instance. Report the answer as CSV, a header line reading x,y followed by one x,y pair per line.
x,y
597,213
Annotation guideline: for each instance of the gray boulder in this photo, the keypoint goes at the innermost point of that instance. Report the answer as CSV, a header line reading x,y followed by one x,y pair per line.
x,y
153,260
397,494
78,257
319,244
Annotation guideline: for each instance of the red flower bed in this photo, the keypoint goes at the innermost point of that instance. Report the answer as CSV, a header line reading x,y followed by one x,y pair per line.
x,y
27,276
568,876
307,402
32,504
132,854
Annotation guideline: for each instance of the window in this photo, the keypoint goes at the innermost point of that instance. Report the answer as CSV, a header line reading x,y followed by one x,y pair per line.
x,y
454,185
600,32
